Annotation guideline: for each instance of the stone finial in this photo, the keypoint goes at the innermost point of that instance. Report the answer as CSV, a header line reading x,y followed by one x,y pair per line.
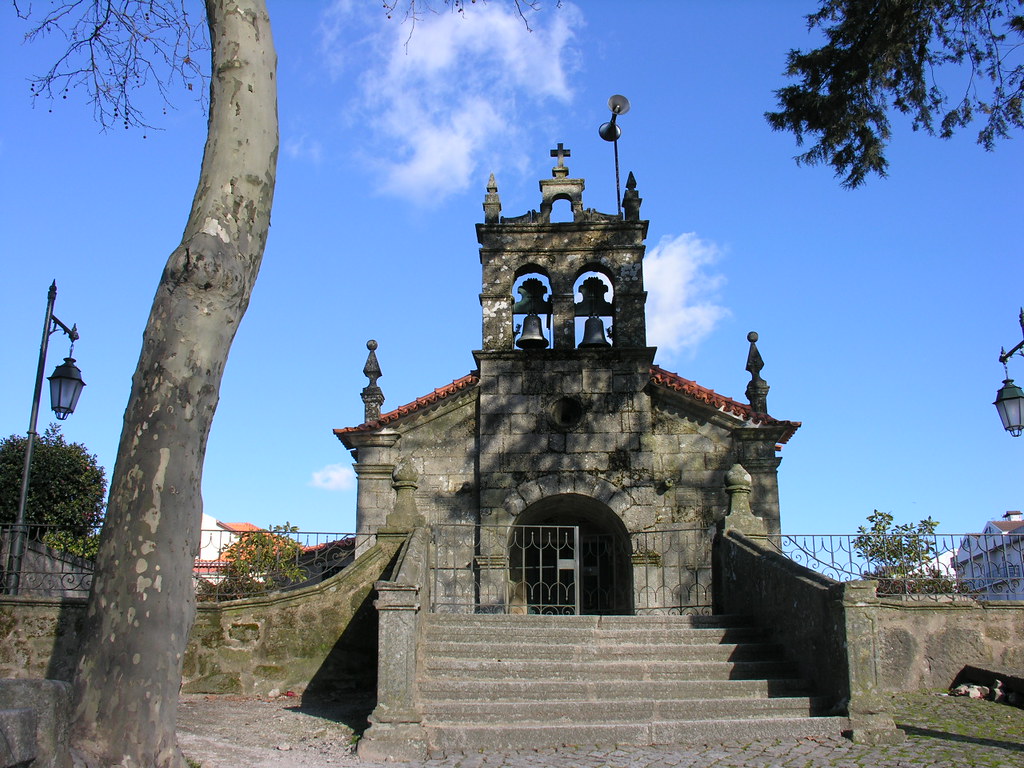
x,y
373,396
757,389
631,200
738,484
492,203
405,515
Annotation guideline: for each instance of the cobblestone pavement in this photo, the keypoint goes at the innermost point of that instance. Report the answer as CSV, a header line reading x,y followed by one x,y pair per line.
x,y
941,731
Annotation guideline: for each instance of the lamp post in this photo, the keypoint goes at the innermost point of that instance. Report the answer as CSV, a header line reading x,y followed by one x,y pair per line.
x,y
619,105
1010,398
65,387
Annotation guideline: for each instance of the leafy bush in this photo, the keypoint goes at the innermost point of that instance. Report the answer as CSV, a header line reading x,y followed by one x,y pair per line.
x,y
902,558
256,562
66,493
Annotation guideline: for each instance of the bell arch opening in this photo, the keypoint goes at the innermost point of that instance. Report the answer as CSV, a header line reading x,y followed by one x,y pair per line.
x,y
531,310
570,554
593,309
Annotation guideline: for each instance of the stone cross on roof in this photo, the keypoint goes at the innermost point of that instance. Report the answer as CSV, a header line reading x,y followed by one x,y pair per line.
x,y
560,170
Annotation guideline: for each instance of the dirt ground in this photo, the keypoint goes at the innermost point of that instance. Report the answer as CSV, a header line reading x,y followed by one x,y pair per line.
x,y
233,731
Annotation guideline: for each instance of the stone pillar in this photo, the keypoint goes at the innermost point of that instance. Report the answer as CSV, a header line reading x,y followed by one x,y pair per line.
x,y
563,317
374,494
395,731
497,319
870,717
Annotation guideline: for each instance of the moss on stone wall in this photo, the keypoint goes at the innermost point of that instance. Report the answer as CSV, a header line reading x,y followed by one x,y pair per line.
x,y
323,635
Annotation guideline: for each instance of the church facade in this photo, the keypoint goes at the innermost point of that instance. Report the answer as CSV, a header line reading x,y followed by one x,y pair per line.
x,y
568,473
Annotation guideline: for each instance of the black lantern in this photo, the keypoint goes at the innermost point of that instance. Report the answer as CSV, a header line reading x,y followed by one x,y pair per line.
x,y
65,387
1010,398
1010,404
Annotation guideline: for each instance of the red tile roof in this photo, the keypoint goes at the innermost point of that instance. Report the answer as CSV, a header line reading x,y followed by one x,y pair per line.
x,y
467,381
659,377
674,381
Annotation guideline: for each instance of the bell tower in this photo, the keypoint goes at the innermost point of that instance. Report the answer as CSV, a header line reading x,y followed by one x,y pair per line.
x,y
562,286
564,361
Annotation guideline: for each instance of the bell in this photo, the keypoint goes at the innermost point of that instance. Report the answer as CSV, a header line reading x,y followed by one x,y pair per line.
x,y
532,336
593,334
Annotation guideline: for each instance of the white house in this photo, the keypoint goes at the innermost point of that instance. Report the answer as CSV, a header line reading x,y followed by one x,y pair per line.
x,y
991,563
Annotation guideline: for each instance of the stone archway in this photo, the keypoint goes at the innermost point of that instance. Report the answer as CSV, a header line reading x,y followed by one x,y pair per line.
x,y
570,553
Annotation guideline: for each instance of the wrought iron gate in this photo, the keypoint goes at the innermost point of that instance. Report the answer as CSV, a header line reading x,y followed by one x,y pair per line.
x,y
559,569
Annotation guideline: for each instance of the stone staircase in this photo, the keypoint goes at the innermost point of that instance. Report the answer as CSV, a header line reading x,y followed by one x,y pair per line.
x,y
520,682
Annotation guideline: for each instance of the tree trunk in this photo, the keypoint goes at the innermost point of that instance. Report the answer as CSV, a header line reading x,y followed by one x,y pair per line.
x,y
142,603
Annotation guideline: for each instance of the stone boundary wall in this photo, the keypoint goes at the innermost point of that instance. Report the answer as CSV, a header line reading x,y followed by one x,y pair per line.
x,y
797,605
311,639
854,644
923,644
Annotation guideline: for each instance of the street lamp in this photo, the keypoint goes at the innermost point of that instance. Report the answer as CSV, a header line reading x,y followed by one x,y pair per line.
x,y
65,388
610,131
1010,398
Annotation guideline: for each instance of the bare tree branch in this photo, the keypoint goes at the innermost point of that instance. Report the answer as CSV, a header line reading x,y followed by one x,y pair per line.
x,y
113,48
412,11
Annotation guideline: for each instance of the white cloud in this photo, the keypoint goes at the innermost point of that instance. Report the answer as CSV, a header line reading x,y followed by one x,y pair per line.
x,y
304,147
682,293
334,477
455,88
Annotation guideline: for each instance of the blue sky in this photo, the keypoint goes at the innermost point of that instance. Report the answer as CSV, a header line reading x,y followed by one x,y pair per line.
x,y
880,311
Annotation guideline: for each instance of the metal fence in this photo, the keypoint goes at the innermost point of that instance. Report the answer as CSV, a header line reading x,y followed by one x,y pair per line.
x,y
229,564
548,569
45,561
985,566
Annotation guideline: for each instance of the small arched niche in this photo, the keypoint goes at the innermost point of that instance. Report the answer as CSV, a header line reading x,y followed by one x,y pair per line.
x,y
594,309
531,310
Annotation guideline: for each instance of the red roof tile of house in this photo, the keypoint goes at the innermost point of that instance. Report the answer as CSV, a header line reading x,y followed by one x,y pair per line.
x,y
240,527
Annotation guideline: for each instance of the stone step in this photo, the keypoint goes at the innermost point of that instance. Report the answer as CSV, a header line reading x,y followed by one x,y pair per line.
x,y
466,737
603,636
553,712
526,670
600,654
462,689
517,622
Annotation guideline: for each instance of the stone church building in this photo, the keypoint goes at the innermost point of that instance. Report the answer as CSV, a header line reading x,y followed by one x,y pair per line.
x,y
568,473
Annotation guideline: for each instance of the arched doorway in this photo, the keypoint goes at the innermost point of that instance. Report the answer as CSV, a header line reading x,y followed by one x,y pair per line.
x,y
569,554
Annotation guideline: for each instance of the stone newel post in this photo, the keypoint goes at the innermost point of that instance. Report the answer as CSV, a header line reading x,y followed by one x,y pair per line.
x,y
741,518
396,732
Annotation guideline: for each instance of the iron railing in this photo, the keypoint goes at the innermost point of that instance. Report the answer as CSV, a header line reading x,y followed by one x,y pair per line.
x,y
984,566
229,564
544,569
237,564
52,561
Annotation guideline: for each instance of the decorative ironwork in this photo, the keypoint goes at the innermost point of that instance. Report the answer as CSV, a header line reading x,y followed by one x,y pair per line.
x,y
229,564
237,564
52,563
521,569
984,566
